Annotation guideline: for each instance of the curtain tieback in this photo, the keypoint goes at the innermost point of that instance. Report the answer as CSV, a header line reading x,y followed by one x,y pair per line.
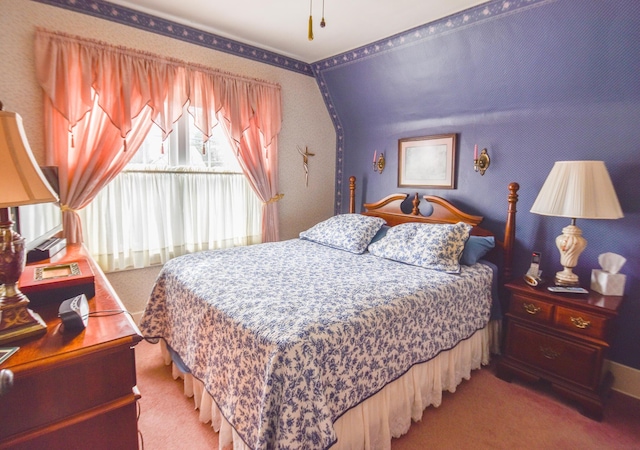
x,y
274,199
67,208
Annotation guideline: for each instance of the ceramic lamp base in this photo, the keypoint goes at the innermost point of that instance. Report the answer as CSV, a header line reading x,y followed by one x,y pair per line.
x,y
570,244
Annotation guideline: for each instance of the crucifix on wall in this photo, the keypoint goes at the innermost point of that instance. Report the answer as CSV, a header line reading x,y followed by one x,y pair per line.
x,y
305,162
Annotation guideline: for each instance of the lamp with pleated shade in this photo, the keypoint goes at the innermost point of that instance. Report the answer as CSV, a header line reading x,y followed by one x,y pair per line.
x,y
577,190
21,183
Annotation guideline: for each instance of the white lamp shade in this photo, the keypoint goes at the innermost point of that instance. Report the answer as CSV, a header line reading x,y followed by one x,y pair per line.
x,y
579,190
21,180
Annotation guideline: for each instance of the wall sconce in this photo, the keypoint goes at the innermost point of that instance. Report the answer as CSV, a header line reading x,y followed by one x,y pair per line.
x,y
378,162
481,163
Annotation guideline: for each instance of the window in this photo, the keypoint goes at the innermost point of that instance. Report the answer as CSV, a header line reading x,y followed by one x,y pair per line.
x,y
185,147
174,197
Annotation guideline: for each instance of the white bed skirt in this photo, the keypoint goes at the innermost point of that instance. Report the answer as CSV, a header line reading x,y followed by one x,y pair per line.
x,y
387,414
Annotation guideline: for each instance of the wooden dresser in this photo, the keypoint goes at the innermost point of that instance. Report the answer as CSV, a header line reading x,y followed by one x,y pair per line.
x,y
561,338
74,389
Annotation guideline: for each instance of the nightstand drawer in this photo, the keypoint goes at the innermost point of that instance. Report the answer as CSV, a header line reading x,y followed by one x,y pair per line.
x,y
532,309
581,322
557,356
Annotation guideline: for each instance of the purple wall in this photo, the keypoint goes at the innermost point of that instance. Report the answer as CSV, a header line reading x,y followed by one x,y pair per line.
x,y
534,81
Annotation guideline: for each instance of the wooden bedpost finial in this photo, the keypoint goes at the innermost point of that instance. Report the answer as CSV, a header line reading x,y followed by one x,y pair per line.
x,y
416,205
513,192
352,194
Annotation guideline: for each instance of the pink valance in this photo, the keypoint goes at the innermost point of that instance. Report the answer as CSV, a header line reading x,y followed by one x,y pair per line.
x,y
127,80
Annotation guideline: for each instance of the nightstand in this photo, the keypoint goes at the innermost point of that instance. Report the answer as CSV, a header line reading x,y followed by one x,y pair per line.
x,y
560,338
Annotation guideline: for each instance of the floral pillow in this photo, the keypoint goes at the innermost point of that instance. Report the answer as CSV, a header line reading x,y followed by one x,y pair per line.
x,y
433,246
350,232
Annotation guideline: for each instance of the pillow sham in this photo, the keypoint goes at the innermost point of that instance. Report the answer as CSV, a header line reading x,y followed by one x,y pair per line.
x,y
350,232
433,246
475,248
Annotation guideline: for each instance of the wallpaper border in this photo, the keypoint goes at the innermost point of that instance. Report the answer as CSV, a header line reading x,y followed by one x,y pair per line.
x,y
154,24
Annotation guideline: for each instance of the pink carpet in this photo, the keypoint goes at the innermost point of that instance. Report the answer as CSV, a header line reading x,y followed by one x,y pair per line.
x,y
484,413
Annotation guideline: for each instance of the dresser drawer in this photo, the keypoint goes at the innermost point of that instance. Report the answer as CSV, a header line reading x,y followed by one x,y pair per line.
x,y
559,357
532,309
581,322
68,389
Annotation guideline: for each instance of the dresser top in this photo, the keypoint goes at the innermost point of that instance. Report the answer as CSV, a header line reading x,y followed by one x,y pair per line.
x,y
109,329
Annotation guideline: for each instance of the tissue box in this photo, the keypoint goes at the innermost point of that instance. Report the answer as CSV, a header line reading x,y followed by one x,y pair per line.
x,y
607,283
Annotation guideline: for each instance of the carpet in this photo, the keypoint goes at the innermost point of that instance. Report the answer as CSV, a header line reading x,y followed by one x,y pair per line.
x,y
484,413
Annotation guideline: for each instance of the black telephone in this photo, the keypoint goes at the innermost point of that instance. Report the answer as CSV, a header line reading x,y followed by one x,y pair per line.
x,y
533,277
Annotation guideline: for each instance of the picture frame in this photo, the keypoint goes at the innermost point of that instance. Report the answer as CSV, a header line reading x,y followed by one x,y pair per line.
x,y
5,352
427,162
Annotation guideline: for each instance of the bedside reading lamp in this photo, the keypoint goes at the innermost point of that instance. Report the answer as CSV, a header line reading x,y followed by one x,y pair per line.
x,y
21,183
578,190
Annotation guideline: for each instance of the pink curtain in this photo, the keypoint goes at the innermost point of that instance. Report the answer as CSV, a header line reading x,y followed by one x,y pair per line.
x,y
89,163
100,101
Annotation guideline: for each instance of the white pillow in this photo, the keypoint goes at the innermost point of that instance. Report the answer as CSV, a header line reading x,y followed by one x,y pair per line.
x,y
433,246
350,232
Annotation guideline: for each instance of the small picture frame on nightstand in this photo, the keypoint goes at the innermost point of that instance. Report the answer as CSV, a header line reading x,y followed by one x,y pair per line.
x,y
6,352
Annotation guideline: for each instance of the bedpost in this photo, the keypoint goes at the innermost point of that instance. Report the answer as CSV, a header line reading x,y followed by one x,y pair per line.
x,y
352,194
510,231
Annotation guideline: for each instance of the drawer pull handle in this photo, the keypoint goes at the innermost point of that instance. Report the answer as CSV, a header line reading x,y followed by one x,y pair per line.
x,y
549,353
579,322
531,308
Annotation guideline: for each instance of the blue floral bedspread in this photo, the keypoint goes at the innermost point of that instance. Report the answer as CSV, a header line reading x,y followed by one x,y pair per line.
x,y
288,336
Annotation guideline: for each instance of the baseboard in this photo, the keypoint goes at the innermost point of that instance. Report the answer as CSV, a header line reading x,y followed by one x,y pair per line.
x,y
625,379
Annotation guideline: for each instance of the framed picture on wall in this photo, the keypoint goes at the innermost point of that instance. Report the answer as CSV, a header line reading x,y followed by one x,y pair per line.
x,y
427,162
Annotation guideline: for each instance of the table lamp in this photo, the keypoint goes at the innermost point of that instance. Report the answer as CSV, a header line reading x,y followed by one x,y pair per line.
x,y
21,183
578,190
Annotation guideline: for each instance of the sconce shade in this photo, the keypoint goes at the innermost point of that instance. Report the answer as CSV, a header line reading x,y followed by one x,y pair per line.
x,y
21,180
578,190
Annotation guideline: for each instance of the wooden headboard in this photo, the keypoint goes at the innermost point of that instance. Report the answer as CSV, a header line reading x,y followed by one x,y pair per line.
x,y
390,209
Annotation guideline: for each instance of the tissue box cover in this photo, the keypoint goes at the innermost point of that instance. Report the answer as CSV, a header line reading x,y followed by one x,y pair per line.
x,y
607,283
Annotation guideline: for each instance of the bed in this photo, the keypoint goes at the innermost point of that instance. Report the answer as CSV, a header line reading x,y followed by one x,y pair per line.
x,y
338,339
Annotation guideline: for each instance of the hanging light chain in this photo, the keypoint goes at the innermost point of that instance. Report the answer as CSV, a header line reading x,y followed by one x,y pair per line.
x,y
310,36
323,23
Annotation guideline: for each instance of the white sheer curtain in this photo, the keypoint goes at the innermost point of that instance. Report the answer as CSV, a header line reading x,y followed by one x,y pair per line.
x,y
167,214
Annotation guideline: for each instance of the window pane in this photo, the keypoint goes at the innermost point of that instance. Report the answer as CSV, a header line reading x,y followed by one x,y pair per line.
x,y
151,150
215,154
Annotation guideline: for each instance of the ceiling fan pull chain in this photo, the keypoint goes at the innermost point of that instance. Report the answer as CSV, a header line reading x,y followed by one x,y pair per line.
x,y
310,20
